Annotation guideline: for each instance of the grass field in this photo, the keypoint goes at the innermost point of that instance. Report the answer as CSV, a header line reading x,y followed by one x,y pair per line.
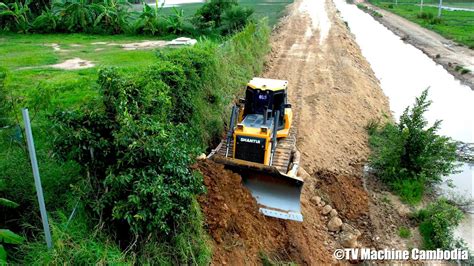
x,y
455,25
450,3
27,59
262,8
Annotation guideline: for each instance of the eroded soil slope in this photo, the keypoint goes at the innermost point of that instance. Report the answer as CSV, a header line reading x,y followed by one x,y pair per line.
x,y
334,94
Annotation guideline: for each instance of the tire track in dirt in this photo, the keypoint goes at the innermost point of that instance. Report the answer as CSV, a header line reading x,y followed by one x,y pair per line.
x,y
334,94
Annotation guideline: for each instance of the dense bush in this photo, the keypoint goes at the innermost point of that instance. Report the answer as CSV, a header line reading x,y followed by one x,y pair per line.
x,y
224,16
136,143
74,244
137,160
4,108
126,156
210,14
235,18
410,156
117,16
7,237
437,223
425,15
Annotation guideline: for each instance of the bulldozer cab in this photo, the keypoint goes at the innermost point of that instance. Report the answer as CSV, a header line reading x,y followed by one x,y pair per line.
x,y
264,101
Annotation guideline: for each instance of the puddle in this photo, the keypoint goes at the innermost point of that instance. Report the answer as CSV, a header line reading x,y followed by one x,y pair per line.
x,y
173,3
55,46
178,42
451,8
99,43
404,72
143,45
316,9
74,64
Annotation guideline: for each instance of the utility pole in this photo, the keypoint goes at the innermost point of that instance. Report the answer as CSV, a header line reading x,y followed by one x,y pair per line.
x,y
439,8
36,175
421,6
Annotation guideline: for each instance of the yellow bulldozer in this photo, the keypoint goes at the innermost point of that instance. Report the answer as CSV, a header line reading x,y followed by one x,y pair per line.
x,y
261,146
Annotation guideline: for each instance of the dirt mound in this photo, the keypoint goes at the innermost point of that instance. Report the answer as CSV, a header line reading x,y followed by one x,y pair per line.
x,y
242,235
345,192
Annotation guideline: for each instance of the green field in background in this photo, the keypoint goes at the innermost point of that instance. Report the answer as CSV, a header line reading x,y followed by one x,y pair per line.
x,y
455,25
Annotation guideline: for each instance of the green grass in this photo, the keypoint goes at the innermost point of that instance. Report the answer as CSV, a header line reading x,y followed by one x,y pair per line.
x,y
455,25
27,56
273,9
27,59
404,232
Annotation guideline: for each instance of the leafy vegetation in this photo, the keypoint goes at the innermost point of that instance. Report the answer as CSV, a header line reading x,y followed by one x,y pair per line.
x,y
117,16
120,142
462,70
457,25
437,223
74,243
7,236
4,109
409,155
404,232
369,10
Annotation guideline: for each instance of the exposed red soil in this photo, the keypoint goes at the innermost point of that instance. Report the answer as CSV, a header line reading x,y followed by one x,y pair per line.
x,y
241,234
334,94
345,193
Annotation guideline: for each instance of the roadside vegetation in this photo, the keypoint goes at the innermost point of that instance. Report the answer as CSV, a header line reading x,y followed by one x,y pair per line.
x,y
412,158
369,10
437,223
409,155
457,25
116,143
117,16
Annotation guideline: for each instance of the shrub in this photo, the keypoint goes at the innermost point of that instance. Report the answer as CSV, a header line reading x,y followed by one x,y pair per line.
x,y
235,18
137,142
462,69
7,236
4,104
176,21
73,243
437,223
210,14
16,16
76,16
425,15
48,21
112,16
436,21
409,155
404,232
149,22
133,152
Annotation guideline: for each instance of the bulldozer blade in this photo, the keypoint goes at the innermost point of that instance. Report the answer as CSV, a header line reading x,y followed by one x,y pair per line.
x,y
277,194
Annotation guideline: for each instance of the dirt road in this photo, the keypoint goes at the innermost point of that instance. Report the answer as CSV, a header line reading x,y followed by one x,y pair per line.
x,y
334,94
332,87
443,51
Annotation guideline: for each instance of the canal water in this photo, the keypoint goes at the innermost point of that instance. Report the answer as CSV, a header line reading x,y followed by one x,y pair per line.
x,y
404,72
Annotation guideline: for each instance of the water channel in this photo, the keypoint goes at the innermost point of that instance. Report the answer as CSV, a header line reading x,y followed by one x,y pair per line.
x,y
404,72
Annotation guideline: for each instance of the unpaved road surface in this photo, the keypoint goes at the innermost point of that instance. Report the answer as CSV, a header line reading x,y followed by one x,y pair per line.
x,y
332,88
334,94
443,51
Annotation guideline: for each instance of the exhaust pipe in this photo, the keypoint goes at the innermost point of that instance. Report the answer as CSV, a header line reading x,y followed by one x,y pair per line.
x,y
230,133
274,136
